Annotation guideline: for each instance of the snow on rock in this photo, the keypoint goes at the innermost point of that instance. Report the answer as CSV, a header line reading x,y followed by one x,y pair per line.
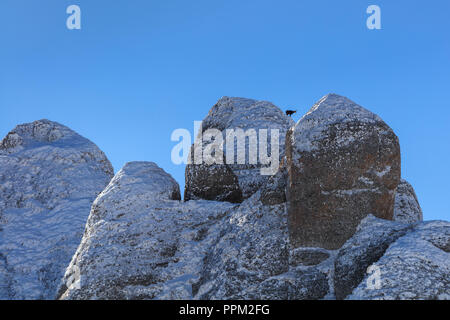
x,y
416,266
309,284
308,256
141,181
306,232
406,208
253,248
49,177
235,182
343,163
141,242
274,190
252,260
368,244
138,246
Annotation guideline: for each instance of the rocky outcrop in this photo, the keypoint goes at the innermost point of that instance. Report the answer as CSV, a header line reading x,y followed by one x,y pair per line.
x,y
253,249
49,177
230,180
140,241
416,266
219,184
343,163
308,256
138,245
310,284
318,228
367,246
274,190
406,207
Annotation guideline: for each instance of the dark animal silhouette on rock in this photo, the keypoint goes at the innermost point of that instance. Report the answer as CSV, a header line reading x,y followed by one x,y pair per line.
x,y
290,112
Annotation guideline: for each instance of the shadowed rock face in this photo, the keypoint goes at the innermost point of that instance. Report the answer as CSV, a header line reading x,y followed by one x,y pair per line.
x,y
234,182
343,164
274,190
219,184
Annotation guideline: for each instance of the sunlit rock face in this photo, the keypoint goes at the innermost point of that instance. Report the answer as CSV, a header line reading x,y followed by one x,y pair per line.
x,y
343,163
141,242
231,181
49,177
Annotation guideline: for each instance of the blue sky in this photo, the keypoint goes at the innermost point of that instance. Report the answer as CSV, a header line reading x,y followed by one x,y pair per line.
x,y
137,70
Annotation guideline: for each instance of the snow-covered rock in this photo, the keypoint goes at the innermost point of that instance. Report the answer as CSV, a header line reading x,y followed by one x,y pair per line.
x,y
299,284
343,163
253,248
416,266
254,260
235,182
138,246
368,244
141,242
49,177
274,190
282,240
308,256
406,207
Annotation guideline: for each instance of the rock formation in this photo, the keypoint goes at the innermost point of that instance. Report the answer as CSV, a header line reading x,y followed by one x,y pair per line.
x,y
234,182
317,229
139,245
416,266
343,163
140,241
406,207
367,246
49,176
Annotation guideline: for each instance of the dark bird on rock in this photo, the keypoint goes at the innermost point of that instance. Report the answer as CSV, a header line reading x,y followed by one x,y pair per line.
x,y
290,112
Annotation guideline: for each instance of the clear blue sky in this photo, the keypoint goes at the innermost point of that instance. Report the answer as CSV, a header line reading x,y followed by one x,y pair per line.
x,y
138,69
